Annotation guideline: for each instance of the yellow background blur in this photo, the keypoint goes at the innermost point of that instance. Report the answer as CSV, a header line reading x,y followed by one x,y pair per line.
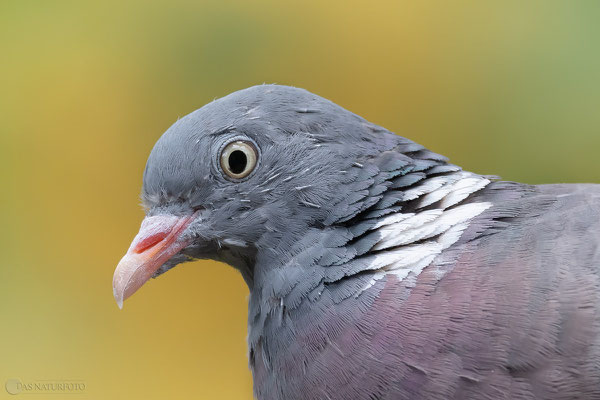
x,y
86,88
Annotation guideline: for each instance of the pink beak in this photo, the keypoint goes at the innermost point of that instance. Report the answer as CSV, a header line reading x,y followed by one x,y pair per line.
x,y
159,239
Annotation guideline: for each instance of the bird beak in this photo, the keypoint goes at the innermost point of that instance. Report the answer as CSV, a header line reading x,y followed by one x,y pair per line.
x,y
160,238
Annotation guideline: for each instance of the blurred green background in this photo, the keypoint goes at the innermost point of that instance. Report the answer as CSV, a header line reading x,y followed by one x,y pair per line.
x,y
509,88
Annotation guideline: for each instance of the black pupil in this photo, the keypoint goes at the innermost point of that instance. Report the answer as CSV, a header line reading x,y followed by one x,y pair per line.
x,y
237,161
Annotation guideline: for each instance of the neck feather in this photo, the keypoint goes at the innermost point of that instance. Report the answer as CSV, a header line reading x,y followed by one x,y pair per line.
x,y
401,238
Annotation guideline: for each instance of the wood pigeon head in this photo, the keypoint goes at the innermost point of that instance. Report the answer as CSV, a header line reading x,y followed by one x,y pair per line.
x,y
251,173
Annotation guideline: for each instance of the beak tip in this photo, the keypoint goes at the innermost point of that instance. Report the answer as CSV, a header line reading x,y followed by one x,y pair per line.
x,y
118,298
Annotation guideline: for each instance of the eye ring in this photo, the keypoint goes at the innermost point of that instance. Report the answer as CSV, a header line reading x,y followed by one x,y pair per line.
x,y
238,159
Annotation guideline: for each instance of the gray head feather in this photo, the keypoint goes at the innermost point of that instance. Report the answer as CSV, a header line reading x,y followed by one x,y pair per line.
x,y
317,167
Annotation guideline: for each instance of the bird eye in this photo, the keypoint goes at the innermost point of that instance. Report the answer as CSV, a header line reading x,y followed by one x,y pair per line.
x,y
238,159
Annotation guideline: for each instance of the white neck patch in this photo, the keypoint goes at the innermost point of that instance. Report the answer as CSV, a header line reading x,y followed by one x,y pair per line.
x,y
414,240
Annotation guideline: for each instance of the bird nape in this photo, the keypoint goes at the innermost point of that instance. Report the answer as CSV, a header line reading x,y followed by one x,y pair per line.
x,y
376,269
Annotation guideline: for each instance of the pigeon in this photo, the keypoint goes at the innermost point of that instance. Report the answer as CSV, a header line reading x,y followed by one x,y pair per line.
x,y
376,268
